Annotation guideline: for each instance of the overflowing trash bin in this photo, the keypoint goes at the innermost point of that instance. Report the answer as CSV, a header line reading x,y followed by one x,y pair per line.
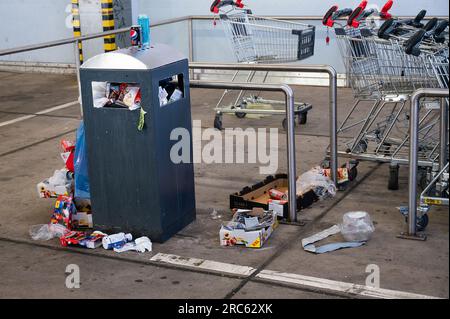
x,y
132,101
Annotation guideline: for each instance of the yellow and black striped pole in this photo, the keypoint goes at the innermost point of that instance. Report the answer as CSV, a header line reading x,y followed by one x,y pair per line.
x,y
77,26
108,24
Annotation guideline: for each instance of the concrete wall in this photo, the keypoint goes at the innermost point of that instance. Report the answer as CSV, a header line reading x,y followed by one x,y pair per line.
x,y
25,22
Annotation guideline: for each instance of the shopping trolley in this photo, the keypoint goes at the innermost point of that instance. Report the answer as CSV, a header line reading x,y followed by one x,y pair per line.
x,y
255,39
382,73
385,65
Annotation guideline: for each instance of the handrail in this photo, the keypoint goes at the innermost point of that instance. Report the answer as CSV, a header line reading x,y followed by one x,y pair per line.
x,y
294,68
290,108
413,153
189,18
83,37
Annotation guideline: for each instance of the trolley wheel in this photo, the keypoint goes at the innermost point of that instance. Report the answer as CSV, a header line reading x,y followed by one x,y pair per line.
x,y
218,122
284,124
240,115
393,177
362,146
352,173
302,118
422,222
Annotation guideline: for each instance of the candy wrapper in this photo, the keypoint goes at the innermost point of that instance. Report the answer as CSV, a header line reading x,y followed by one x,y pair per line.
x,y
82,239
63,211
125,95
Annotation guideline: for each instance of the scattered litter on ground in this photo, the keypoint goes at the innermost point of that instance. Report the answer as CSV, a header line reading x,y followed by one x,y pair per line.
x,y
82,239
215,215
71,219
116,240
357,228
315,179
47,231
141,244
251,228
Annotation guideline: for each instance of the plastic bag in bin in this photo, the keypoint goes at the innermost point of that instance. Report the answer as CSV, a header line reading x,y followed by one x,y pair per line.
x,y
81,165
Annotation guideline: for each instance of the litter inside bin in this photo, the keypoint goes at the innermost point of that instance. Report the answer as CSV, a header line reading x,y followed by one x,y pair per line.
x,y
121,95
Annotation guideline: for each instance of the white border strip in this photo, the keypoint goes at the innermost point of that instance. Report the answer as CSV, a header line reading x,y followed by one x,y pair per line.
x,y
276,276
339,286
49,110
204,264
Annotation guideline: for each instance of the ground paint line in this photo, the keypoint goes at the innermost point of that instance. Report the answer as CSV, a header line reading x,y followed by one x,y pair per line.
x,y
339,286
49,110
203,264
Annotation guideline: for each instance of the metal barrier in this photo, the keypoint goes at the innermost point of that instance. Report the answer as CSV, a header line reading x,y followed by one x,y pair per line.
x,y
295,68
413,153
290,106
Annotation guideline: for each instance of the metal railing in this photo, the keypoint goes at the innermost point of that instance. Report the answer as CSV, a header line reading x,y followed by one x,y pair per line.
x,y
189,19
290,108
413,151
295,68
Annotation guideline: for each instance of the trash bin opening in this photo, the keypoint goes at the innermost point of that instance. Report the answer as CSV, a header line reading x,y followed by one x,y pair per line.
x,y
171,89
116,95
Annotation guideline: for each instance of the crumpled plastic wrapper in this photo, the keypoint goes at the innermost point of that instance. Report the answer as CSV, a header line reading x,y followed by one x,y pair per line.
x,y
357,226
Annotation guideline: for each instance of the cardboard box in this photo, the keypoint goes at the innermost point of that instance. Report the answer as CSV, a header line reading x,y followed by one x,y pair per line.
x,y
258,196
47,190
82,220
251,239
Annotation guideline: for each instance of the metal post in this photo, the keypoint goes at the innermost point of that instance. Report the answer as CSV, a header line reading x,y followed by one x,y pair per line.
x,y
333,124
291,163
77,71
413,163
443,155
414,156
191,44
295,68
191,39
290,108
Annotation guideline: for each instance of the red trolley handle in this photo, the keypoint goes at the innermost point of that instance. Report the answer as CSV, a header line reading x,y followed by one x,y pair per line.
x,y
217,4
353,18
333,14
384,13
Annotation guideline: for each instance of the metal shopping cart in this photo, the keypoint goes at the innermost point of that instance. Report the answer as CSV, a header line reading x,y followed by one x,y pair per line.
x,y
382,73
260,40
386,65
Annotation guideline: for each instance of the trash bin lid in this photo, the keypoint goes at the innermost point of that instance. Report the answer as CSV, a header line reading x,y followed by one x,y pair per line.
x,y
134,58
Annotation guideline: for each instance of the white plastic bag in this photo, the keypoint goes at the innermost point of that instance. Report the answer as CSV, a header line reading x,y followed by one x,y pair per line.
x,y
315,180
47,231
357,226
99,94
